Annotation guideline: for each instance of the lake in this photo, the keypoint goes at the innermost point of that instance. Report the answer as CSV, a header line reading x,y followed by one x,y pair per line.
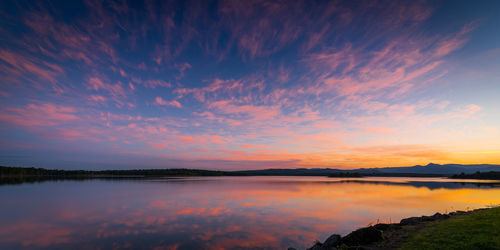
x,y
219,212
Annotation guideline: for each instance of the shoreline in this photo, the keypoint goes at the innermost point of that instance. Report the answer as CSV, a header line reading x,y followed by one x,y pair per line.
x,y
31,172
389,235
413,181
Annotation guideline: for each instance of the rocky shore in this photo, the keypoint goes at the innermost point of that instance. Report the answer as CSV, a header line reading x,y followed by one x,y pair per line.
x,y
382,236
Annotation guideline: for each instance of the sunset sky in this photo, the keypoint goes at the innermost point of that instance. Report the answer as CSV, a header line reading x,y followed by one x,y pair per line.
x,y
249,84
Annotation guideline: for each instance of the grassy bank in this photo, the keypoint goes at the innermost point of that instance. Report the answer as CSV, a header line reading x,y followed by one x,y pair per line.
x,y
475,230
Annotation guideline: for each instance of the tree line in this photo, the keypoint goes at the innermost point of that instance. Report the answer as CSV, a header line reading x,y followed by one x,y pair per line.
x,y
6,172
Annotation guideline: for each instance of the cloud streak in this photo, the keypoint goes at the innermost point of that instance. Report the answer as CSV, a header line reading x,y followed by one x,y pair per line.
x,y
174,103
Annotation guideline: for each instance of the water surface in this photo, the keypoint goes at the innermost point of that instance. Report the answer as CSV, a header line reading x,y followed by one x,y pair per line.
x,y
219,212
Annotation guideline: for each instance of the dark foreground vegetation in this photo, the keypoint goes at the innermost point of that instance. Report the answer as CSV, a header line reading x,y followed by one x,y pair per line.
x,y
492,175
477,229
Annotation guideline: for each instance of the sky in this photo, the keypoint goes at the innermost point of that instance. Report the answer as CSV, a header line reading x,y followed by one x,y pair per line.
x,y
248,84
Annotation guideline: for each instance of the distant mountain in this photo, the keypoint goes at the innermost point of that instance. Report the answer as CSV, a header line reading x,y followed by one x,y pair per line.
x,y
429,169
446,169
292,172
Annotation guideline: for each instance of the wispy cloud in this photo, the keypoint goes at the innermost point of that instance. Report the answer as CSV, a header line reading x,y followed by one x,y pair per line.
x,y
174,103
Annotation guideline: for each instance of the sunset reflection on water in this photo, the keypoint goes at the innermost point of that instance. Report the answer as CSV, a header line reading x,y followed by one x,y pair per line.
x,y
218,212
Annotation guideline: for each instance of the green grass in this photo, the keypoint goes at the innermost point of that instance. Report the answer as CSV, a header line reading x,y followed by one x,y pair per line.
x,y
478,230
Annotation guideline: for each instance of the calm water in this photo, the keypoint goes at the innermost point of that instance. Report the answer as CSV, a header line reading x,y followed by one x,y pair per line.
x,y
218,212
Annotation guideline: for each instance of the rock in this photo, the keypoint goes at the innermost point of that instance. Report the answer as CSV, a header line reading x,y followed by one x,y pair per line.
x,y
418,220
332,242
382,226
439,216
291,248
387,227
363,236
317,246
410,221
457,213
427,218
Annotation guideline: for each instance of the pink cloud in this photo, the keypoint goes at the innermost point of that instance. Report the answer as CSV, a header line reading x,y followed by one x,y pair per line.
x,y
255,146
152,83
74,134
453,42
162,102
97,98
181,68
258,112
252,40
77,56
389,73
73,39
216,88
470,110
96,84
4,93
190,139
20,65
142,66
158,60
159,146
218,139
122,73
45,114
